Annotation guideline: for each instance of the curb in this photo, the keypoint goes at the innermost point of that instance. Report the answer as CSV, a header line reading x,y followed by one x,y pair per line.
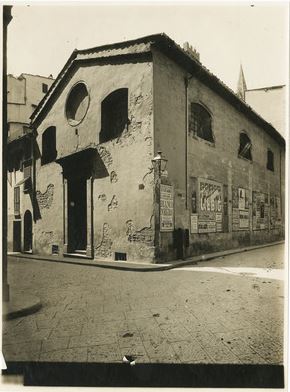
x,y
142,268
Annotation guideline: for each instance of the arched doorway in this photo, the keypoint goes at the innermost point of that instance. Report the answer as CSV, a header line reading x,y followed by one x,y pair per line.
x,y
27,246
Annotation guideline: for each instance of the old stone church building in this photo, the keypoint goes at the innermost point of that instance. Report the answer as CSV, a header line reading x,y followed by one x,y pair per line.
x,y
99,187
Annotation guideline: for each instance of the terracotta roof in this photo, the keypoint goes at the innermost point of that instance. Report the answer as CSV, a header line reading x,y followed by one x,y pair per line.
x,y
141,46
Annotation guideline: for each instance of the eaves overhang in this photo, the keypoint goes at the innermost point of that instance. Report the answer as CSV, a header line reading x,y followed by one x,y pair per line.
x,y
142,47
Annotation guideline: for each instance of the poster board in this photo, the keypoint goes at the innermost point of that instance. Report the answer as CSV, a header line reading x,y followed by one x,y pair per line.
x,y
260,211
210,206
240,209
166,208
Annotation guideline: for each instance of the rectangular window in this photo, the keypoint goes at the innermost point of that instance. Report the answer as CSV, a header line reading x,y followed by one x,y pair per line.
x,y
27,171
270,160
44,88
17,200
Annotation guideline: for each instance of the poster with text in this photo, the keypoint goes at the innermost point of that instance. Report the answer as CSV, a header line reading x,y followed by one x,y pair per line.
x,y
166,208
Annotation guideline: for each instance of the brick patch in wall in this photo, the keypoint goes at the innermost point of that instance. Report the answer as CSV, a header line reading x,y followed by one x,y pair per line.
x,y
102,197
105,247
113,177
45,199
143,235
113,204
105,155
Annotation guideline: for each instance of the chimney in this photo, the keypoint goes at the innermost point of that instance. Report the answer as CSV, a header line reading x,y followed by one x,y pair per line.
x,y
190,51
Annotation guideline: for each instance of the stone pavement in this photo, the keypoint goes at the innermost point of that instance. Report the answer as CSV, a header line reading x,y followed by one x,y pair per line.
x,y
177,316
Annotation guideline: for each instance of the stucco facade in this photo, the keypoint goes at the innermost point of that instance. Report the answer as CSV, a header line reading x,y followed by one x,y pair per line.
x,y
119,188
100,196
213,162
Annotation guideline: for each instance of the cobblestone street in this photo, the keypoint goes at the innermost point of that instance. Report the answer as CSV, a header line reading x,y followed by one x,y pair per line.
x,y
228,310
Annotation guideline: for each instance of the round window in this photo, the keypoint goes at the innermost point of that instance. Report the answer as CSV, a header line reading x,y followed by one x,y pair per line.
x,y
77,104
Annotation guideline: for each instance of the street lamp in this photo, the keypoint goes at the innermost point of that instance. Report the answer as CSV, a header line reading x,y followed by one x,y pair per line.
x,y
159,164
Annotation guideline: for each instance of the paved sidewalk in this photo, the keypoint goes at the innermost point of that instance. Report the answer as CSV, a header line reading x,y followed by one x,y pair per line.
x,y
176,316
135,266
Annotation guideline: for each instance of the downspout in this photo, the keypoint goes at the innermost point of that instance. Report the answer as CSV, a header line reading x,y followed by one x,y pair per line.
x,y
186,82
33,174
280,183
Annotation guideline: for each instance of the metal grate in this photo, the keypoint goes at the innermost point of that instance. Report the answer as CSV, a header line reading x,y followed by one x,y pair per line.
x,y
54,249
120,256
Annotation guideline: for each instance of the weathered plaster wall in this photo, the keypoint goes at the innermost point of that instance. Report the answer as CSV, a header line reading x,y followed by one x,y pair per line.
x,y
48,229
117,195
169,125
218,161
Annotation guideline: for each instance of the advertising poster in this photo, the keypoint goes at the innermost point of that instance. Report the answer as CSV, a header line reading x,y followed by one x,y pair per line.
x,y
210,206
210,196
194,223
260,211
206,227
242,199
240,212
244,220
166,208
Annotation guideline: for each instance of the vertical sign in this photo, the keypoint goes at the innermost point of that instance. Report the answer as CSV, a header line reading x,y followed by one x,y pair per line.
x,y
166,208
240,211
194,223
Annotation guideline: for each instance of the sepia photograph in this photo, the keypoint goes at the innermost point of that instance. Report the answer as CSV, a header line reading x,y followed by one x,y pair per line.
x,y
144,194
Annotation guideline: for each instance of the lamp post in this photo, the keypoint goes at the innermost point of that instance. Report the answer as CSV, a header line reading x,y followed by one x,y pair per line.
x,y
159,164
7,17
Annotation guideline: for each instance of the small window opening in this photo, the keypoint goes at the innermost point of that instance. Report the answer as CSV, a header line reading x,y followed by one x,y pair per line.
x,y
17,200
44,88
200,122
245,149
114,114
270,160
120,256
55,249
49,152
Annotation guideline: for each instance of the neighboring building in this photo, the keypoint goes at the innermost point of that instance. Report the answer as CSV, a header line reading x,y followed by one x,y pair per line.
x,y
268,102
98,194
23,95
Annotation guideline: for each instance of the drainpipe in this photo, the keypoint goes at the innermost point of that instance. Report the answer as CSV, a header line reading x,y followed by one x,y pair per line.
x,y
33,172
186,83
280,183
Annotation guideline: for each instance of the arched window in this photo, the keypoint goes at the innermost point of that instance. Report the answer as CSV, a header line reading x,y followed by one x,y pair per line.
x,y
200,122
114,114
270,160
49,152
245,149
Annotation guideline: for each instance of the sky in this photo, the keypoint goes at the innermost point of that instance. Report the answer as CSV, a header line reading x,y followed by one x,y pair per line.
x,y
41,37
